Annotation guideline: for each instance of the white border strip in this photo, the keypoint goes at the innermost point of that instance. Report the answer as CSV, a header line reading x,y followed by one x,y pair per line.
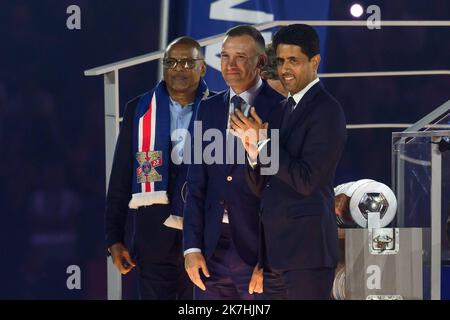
x,y
393,125
385,125
385,73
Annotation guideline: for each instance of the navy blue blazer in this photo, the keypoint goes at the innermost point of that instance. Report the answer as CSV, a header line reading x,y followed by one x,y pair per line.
x,y
151,239
216,187
297,203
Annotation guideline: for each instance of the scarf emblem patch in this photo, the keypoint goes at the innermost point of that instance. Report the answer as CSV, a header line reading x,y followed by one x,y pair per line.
x,y
148,162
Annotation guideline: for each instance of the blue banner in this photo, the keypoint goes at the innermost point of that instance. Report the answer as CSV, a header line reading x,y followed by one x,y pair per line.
x,y
207,18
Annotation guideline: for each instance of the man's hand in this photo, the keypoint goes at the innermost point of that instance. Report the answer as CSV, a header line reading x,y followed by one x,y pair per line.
x,y
192,263
121,258
256,281
250,130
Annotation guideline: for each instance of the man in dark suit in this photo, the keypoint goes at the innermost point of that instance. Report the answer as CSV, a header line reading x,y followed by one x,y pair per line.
x,y
220,228
299,233
156,245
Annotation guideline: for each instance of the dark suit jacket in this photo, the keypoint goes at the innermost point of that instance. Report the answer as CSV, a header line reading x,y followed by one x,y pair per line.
x,y
297,205
151,239
213,188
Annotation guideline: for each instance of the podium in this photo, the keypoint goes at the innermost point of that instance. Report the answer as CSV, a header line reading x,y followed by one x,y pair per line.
x,y
403,260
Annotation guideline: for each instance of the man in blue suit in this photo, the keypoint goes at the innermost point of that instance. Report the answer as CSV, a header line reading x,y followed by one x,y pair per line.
x,y
299,232
220,228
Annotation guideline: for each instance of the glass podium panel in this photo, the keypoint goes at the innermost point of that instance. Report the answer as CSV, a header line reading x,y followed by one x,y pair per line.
x,y
403,259
420,173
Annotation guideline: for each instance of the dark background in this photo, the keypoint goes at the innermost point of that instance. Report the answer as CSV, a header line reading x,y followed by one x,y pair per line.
x,y
52,177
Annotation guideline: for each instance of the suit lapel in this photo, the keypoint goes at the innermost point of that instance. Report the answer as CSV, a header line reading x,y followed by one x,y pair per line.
x,y
260,101
224,112
276,116
301,110
222,125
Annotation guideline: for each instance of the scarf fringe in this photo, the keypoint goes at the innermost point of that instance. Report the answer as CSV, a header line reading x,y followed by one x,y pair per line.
x,y
148,198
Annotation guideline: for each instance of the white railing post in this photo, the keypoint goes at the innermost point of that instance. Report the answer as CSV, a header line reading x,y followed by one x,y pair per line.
x,y
163,31
111,78
436,216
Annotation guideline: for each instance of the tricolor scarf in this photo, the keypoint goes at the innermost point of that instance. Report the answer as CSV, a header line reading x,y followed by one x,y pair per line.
x,y
152,145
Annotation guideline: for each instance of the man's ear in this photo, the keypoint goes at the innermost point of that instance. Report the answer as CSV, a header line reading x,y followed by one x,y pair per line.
x,y
203,69
262,61
316,61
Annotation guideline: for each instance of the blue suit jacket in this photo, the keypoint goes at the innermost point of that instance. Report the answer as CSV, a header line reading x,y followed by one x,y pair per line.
x,y
297,204
213,188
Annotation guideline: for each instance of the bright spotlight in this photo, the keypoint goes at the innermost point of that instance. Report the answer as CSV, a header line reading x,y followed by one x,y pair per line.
x,y
356,10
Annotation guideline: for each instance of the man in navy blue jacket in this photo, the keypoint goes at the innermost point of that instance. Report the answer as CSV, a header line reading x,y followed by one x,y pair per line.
x,y
220,228
298,223
156,247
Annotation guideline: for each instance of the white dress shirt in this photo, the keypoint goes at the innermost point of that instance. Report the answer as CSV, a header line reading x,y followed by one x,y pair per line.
x,y
299,95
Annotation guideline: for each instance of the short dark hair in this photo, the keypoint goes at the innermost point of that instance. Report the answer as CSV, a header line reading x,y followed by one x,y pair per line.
x,y
301,35
269,71
187,41
243,30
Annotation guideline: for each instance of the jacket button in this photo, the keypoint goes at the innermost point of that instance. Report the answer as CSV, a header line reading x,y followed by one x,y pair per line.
x,y
229,178
222,202
268,185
